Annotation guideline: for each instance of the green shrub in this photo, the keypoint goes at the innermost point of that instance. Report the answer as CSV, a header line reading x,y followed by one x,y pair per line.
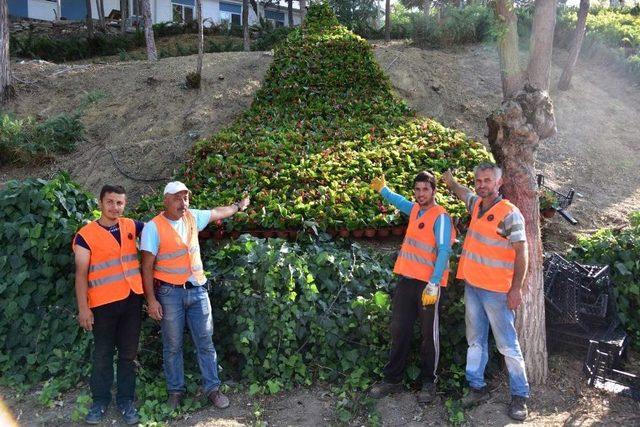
x,y
39,336
620,250
324,123
26,141
266,37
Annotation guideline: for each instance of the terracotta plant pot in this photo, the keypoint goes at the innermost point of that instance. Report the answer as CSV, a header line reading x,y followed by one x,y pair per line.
x,y
384,232
370,232
343,233
234,234
206,234
357,233
282,234
398,230
293,234
268,233
548,212
257,233
218,234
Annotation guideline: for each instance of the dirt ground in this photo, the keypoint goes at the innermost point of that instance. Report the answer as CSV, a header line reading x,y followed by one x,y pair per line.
x,y
141,131
565,400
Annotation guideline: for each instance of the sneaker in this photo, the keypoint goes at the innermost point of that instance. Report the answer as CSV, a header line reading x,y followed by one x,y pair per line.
x,y
427,394
218,399
96,413
383,389
174,400
518,408
475,397
129,413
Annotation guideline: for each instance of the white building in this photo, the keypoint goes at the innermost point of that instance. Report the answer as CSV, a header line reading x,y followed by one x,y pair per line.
x,y
214,11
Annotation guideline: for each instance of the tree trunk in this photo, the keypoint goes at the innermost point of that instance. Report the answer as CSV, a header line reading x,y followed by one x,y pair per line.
x,y
426,7
6,90
510,71
290,12
246,43
514,134
254,6
123,15
100,8
200,36
303,10
542,30
152,54
387,20
89,19
576,46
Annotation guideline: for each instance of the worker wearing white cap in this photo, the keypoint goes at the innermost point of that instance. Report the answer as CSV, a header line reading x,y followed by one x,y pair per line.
x,y
173,278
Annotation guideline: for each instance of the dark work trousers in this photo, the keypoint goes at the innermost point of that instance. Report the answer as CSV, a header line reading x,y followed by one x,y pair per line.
x,y
115,326
407,307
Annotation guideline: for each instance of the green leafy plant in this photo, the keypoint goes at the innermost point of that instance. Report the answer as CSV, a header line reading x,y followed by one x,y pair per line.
x,y
547,199
324,123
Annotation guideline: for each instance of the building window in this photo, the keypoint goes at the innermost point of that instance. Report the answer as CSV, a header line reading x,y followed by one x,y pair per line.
x,y
182,12
231,14
276,18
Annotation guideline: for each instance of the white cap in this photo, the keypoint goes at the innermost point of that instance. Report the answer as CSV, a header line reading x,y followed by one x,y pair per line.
x,y
175,187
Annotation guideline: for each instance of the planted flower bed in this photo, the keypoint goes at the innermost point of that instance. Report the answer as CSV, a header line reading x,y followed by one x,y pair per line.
x,y
324,123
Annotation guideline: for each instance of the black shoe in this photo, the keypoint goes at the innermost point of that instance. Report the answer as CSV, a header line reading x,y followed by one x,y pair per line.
x,y
475,397
175,400
129,413
383,389
518,408
96,413
427,394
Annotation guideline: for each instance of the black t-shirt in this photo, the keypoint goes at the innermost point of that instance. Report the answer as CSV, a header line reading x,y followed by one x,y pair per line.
x,y
114,230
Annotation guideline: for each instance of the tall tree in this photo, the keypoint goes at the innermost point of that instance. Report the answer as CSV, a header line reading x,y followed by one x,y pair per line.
x,y
576,46
152,54
303,10
100,8
387,20
200,36
290,12
515,131
123,15
426,7
6,89
246,43
89,19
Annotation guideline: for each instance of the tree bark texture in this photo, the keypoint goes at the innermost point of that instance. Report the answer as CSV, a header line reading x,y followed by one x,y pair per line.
x,y
100,8
426,7
510,71
576,46
89,19
200,36
387,20
515,131
123,15
290,12
541,46
152,54
246,42
303,10
6,90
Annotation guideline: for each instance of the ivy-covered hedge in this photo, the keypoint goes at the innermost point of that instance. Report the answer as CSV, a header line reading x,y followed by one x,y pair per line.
x,y
620,250
39,336
324,123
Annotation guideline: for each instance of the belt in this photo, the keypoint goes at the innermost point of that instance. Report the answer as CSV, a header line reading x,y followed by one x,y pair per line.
x,y
186,285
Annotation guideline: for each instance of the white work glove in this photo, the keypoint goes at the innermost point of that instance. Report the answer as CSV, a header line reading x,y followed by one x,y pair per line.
x,y
430,294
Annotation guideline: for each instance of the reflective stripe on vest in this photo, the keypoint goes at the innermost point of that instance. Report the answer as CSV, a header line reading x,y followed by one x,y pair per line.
x,y
114,269
488,259
417,256
176,261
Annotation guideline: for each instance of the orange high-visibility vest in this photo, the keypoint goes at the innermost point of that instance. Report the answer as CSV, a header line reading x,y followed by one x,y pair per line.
x,y
114,270
488,259
175,260
418,253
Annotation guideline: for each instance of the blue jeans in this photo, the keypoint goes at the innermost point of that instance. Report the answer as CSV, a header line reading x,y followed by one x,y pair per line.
x,y
193,306
484,308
